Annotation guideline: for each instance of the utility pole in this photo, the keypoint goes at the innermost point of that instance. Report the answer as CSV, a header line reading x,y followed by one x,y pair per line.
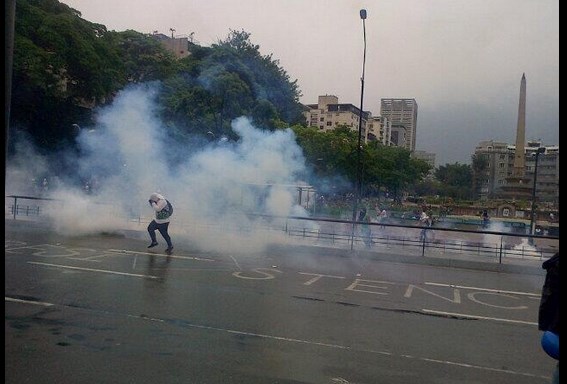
x,y
359,145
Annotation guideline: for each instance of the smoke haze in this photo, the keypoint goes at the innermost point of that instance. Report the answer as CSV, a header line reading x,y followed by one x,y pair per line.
x,y
217,189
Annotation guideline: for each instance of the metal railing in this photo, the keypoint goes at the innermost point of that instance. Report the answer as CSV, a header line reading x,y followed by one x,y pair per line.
x,y
377,236
492,244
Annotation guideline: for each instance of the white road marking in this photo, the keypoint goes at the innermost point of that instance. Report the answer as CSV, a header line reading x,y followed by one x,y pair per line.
x,y
309,342
473,296
484,289
235,262
344,347
317,277
43,252
121,251
95,258
482,368
93,270
27,302
264,275
477,317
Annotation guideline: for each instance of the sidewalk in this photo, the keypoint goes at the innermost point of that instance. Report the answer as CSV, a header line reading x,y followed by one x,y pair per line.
x,y
433,254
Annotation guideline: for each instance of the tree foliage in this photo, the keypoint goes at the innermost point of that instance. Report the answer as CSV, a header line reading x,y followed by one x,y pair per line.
x,y
64,67
382,168
455,180
479,169
228,80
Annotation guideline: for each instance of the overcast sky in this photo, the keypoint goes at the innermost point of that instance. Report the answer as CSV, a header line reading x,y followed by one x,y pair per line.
x,y
461,60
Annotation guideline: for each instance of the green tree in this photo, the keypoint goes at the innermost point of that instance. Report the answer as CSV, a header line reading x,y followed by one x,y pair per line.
x,y
268,80
385,168
328,153
479,165
456,180
64,66
230,79
392,169
142,57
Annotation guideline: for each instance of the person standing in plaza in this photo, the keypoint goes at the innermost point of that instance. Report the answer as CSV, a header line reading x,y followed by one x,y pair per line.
x,y
163,211
485,219
426,222
365,231
383,217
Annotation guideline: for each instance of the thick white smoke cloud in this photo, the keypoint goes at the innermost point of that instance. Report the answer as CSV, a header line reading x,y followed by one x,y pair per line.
x,y
216,189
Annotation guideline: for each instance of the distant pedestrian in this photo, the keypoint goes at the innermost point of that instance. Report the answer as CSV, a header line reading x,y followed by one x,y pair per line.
x,y
163,211
485,219
426,222
365,231
382,217
44,185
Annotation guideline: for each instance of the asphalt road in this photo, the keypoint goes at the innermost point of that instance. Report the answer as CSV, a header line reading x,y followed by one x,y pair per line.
x,y
104,309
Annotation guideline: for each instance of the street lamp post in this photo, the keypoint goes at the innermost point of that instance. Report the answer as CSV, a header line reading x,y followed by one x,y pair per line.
x,y
359,146
532,219
358,149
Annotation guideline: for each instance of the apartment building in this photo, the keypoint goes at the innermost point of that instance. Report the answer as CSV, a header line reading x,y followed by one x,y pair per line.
x,y
380,130
328,114
402,113
500,161
398,135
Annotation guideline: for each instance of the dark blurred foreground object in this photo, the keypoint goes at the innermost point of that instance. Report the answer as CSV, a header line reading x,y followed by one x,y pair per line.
x,y
548,319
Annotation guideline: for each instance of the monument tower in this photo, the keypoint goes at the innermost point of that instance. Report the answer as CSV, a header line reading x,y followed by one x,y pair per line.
x,y
519,157
517,185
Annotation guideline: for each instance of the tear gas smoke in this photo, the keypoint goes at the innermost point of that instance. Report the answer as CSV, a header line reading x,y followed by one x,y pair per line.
x,y
215,189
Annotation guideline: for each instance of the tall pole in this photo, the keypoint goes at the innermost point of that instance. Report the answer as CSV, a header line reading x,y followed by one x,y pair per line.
x,y
10,9
358,189
532,219
359,146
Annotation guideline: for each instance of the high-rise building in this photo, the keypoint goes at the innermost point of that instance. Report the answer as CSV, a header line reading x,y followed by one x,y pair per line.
x,y
402,112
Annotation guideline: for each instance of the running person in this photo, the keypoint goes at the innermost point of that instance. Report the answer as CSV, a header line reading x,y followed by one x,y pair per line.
x,y
163,210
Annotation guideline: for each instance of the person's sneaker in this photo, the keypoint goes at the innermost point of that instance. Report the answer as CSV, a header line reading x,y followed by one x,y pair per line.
x,y
153,244
169,250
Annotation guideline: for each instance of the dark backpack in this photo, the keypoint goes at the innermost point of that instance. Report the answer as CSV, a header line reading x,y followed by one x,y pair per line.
x,y
166,212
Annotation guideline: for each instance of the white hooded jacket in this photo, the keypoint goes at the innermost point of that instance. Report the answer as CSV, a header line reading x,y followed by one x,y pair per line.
x,y
158,203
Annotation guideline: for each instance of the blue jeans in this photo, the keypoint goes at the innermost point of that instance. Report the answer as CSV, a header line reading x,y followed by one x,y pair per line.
x,y
423,235
162,228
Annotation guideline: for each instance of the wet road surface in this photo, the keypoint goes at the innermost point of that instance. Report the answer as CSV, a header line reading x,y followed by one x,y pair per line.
x,y
104,309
